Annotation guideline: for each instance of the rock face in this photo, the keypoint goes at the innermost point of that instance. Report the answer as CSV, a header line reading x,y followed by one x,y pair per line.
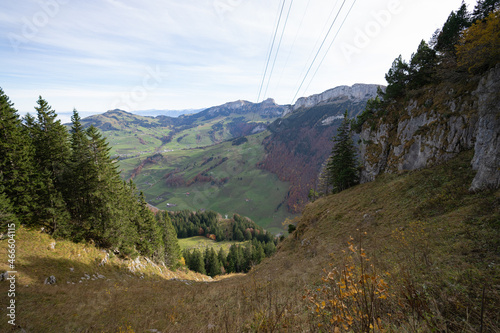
x,y
487,148
356,92
429,133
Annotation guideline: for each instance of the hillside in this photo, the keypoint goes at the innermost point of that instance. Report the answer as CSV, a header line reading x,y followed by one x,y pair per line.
x,y
302,141
434,243
175,161
221,177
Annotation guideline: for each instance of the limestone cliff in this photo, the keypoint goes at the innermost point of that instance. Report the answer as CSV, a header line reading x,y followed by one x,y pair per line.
x,y
356,92
435,127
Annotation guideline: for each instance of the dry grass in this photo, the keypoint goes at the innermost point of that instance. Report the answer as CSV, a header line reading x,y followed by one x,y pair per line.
x,y
439,244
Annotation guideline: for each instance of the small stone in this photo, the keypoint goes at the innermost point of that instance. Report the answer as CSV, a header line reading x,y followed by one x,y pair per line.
x,y
50,280
4,276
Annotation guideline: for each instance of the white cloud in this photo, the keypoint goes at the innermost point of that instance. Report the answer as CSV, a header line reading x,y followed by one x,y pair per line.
x,y
87,53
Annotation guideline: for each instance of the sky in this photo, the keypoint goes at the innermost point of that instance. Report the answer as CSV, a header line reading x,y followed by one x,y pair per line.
x,y
188,54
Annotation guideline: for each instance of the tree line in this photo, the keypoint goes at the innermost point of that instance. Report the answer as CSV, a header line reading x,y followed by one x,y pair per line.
x,y
68,184
465,46
207,223
239,259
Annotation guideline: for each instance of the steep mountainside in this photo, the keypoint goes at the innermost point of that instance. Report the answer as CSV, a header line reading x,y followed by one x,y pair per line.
x,y
301,142
435,126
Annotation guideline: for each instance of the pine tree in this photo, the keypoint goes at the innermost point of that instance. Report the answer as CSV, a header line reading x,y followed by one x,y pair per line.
x,y
343,164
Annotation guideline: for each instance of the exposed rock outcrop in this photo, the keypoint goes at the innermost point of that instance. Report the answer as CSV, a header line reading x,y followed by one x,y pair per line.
x,y
432,132
487,148
356,92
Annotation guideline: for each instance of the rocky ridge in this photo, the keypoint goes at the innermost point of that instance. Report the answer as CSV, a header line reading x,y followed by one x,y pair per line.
x,y
429,133
356,92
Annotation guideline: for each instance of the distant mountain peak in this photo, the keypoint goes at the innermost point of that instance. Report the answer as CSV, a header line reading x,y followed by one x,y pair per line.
x,y
358,91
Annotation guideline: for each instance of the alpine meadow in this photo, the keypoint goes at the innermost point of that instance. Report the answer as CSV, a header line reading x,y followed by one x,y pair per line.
x,y
363,208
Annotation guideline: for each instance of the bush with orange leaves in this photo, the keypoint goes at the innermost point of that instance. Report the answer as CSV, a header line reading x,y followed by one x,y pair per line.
x,y
351,297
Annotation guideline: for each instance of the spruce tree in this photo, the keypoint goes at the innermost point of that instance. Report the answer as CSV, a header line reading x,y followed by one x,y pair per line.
x,y
343,163
7,216
16,163
172,248
51,153
50,138
81,172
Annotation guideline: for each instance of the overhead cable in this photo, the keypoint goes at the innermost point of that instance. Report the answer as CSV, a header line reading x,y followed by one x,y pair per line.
x,y
271,50
317,53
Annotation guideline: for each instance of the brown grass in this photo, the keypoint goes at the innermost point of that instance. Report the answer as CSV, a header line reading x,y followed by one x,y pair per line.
x,y
438,243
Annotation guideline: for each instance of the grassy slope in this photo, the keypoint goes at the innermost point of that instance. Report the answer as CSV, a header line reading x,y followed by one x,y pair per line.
x,y
422,227
249,191
201,242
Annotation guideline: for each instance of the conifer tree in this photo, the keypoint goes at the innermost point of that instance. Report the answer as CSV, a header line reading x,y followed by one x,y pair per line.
x,y
50,138
172,248
449,35
483,8
422,67
7,215
80,173
343,163
51,153
150,236
16,163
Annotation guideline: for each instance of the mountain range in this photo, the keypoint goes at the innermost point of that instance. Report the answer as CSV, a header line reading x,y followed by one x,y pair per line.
x,y
231,155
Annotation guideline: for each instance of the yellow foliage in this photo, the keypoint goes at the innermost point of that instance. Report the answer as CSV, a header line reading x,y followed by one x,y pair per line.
x,y
351,297
479,47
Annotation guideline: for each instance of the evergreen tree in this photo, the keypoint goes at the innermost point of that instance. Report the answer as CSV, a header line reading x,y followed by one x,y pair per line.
x,y
484,8
172,248
449,35
212,263
7,216
51,153
397,79
81,173
197,262
16,164
422,66
50,139
343,164
222,257
150,235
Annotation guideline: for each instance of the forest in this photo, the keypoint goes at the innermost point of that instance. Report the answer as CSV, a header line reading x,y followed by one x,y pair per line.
x,y
66,184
